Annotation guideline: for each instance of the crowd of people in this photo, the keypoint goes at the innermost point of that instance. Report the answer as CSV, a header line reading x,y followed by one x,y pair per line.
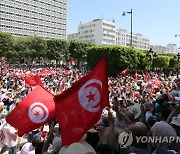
x,y
140,108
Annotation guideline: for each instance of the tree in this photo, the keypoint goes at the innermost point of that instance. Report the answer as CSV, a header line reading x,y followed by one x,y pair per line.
x,y
161,62
36,47
6,43
78,51
21,48
173,63
118,58
57,49
12,56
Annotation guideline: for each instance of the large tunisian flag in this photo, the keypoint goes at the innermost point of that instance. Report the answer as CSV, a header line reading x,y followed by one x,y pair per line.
x,y
79,107
35,110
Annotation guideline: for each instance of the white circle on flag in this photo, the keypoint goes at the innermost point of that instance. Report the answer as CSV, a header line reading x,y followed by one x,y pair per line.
x,y
38,112
89,96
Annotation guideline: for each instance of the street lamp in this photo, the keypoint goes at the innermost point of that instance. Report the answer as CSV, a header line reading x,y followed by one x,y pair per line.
x,y
178,58
177,35
150,56
124,14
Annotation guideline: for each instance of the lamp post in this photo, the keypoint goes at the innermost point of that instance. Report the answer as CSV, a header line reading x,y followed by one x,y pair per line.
x,y
177,57
177,35
124,14
150,56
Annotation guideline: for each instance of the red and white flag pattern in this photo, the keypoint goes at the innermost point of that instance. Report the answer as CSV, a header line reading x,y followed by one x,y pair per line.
x,y
35,110
79,107
33,81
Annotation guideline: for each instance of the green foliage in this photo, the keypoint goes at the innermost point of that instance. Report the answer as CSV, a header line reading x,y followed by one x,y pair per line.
x,y
78,50
161,62
6,43
173,63
118,58
12,55
21,48
36,46
57,49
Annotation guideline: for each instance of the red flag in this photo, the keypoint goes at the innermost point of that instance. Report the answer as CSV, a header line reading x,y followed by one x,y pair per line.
x,y
62,86
32,81
73,62
156,82
79,107
4,64
135,75
46,72
146,76
124,72
4,69
35,110
19,74
29,73
66,72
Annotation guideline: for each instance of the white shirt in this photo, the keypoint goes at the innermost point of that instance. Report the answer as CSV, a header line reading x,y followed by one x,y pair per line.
x,y
147,115
10,135
175,93
28,149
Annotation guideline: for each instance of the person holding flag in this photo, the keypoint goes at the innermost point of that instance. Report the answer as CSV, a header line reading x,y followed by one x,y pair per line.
x,y
80,107
35,110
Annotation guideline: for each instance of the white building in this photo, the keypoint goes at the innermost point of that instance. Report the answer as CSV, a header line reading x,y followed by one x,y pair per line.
x,y
123,38
34,17
98,31
73,36
172,48
102,32
159,49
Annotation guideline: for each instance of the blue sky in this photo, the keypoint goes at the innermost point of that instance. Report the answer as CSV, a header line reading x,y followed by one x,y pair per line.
x,y
158,20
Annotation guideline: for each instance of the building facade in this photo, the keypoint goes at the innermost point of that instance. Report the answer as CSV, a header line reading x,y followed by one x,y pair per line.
x,y
98,31
102,32
159,49
73,36
34,17
123,38
172,48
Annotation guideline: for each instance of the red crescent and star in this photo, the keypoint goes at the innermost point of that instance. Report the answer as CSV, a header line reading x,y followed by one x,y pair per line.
x,y
37,113
90,96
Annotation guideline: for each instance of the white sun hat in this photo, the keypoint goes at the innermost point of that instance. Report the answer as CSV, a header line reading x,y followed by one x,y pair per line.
x,y
80,147
136,109
176,121
177,98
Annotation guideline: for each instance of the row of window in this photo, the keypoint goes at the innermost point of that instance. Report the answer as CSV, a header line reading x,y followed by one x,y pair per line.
x,y
87,26
45,36
44,4
48,14
87,36
29,29
34,26
2,13
108,35
108,25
